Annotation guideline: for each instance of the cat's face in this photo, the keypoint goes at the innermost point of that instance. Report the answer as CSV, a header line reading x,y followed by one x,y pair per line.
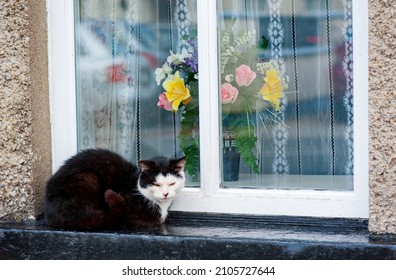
x,y
161,179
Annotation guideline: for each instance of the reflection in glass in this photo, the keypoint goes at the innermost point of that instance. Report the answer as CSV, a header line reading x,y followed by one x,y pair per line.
x,y
296,129
119,46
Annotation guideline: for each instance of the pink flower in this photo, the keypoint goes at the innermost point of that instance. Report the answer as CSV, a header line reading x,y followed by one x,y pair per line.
x,y
228,93
164,102
244,76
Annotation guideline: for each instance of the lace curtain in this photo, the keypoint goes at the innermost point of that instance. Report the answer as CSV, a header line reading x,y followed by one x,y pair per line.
x,y
312,42
119,44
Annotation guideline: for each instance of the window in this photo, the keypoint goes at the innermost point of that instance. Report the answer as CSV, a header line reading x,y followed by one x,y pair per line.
x,y
301,141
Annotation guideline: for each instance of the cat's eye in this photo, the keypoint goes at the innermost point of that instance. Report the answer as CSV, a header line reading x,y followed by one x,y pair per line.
x,y
157,185
172,184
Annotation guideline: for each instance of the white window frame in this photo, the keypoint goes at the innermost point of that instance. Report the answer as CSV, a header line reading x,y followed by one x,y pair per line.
x,y
210,197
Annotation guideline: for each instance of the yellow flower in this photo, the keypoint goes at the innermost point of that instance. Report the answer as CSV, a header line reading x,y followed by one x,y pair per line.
x,y
271,91
176,91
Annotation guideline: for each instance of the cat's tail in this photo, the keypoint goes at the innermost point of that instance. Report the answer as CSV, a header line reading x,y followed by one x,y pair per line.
x,y
115,201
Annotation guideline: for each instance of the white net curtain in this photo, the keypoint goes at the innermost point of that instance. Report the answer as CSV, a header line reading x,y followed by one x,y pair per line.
x,y
119,44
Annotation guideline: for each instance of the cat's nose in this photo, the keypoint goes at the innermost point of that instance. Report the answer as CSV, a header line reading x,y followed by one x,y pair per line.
x,y
166,194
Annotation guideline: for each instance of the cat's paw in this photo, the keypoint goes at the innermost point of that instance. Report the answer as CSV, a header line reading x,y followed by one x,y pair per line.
x,y
114,200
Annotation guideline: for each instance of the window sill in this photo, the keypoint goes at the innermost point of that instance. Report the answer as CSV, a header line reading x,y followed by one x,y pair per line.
x,y
294,182
192,236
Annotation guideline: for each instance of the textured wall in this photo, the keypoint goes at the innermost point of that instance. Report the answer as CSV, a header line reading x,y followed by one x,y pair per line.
x,y
15,118
382,103
23,129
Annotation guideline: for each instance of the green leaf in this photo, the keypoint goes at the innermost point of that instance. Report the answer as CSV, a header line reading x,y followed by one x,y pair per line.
x,y
245,140
188,136
245,145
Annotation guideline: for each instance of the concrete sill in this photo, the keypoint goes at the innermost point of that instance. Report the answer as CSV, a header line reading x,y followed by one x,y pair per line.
x,y
203,236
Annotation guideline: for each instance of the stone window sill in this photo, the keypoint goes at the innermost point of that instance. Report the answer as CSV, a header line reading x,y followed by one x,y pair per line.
x,y
202,236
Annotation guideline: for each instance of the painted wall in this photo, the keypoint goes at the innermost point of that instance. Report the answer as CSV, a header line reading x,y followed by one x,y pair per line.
x,y
25,147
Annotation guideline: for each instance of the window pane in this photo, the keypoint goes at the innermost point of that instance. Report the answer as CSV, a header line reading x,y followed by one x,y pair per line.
x,y
287,94
119,46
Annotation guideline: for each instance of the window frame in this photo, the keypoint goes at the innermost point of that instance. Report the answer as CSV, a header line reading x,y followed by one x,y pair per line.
x,y
210,197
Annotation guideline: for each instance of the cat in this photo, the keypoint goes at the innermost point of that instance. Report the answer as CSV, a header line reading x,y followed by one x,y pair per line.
x,y
99,190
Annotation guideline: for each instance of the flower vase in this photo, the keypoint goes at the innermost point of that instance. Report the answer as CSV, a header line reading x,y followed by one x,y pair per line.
x,y
231,158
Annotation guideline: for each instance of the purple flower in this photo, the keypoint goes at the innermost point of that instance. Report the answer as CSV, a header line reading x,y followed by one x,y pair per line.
x,y
192,61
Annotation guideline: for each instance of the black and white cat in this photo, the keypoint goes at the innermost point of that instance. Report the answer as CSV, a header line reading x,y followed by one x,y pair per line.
x,y
98,189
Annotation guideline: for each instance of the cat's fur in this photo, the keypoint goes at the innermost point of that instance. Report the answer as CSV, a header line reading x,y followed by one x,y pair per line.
x,y
98,189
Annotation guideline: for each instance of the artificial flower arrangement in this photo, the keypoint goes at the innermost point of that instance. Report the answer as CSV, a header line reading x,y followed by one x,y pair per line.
x,y
179,77
250,89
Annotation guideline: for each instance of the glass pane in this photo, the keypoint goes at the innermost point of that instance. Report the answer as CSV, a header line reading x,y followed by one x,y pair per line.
x,y
121,48
287,94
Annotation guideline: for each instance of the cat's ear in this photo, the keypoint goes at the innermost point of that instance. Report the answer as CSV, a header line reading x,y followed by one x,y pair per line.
x,y
179,164
146,165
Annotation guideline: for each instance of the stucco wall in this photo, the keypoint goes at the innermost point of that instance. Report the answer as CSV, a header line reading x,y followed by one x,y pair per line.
x,y
382,115
24,118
